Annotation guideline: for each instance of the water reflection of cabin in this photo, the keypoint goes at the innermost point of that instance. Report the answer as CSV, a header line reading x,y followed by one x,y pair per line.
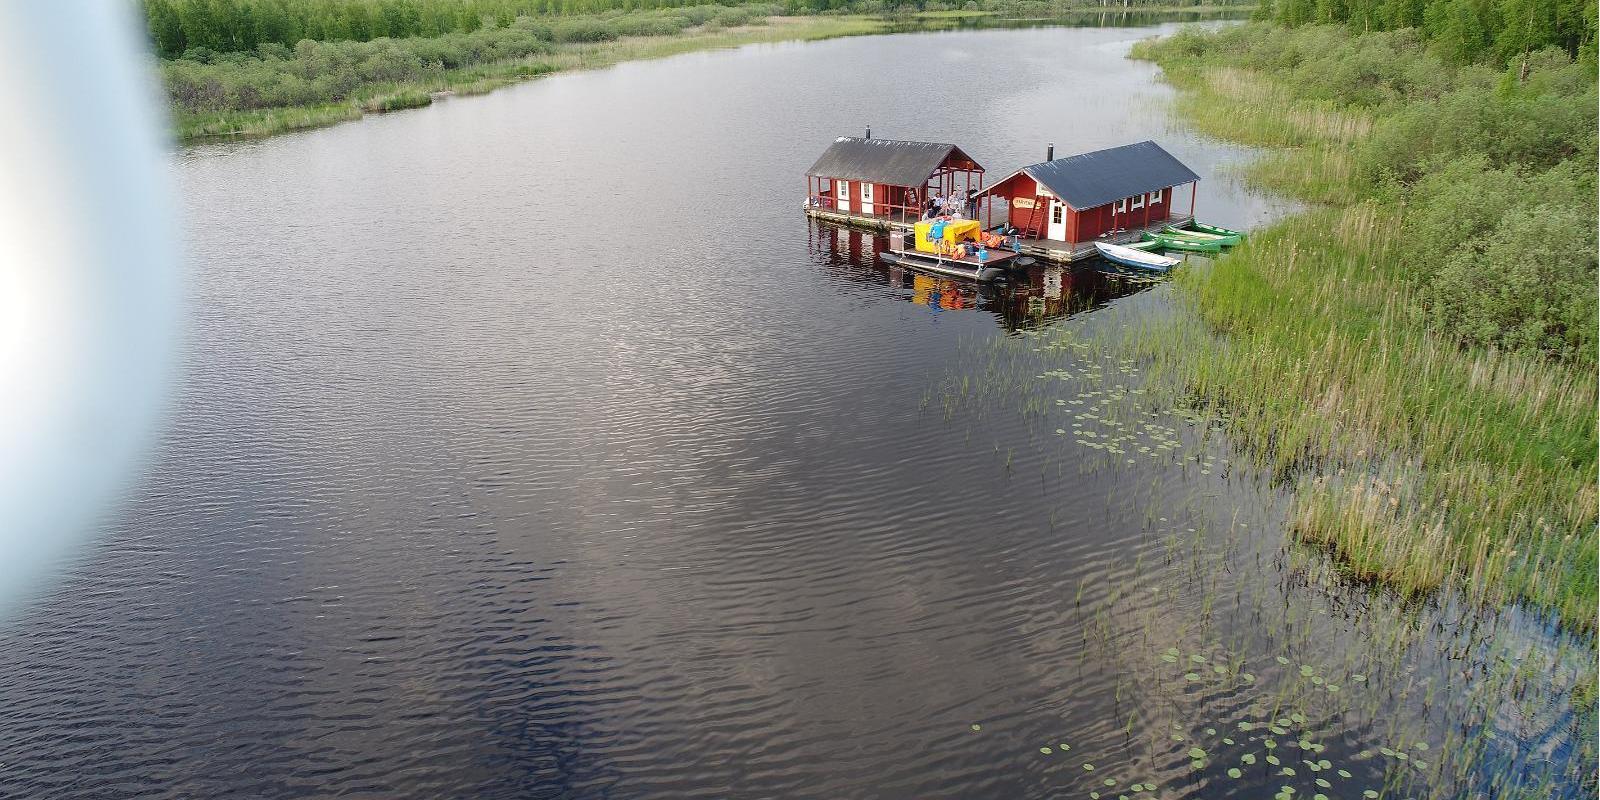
x,y
1109,195
885,181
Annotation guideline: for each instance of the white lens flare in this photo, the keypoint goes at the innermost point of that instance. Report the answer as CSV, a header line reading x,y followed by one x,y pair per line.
x,y
88,277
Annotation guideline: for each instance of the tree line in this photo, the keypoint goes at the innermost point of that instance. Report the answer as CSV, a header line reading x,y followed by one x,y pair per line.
x,y
177,27
230,26
1463,31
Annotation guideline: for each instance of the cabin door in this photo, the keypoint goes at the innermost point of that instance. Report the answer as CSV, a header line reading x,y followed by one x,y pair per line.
x,y
866,198
1057,229
842,194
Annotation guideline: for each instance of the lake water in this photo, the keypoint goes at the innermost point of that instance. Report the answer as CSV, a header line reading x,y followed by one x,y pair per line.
x,y
536,445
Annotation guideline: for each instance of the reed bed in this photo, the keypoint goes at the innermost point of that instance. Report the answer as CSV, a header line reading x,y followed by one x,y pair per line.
x,y
1416,460
485,77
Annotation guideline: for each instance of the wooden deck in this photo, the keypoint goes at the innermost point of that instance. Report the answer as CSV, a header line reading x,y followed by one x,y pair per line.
x,y
1048,249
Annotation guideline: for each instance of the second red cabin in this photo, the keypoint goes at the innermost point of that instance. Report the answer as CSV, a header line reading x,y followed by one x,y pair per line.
x,y
1083,197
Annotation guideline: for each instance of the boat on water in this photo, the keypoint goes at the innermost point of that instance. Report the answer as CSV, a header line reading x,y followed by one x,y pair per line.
x,y
1184,233
1216,229
1137,259
1170,242
955,247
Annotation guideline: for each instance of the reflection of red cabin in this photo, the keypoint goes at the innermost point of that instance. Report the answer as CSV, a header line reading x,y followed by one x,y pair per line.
x,y
1080,198
887,178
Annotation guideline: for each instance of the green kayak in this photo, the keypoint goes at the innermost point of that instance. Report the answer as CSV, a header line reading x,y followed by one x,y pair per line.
x,y
1170,242
1184,233
1216,229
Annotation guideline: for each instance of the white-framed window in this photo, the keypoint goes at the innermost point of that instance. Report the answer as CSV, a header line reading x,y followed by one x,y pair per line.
x,y
1120,207
1155,197
1055,214
866,192
843,192
1138,202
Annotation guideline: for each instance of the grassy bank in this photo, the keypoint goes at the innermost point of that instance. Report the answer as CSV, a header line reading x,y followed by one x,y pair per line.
x,y
234,74
322,83
1417,352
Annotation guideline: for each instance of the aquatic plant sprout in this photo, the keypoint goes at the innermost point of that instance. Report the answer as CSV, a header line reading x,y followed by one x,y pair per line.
x,y
1247,659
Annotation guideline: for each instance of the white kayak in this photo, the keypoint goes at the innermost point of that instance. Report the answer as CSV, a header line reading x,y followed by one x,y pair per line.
x,y
1138,259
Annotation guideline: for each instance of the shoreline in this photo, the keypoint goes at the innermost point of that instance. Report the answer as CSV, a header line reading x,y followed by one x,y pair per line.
x,y
201,127
1415,459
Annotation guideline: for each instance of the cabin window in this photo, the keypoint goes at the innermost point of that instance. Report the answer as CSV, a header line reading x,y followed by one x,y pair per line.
x,y
1138,202
866,192
1055,214
843,192
1155,197
1121,206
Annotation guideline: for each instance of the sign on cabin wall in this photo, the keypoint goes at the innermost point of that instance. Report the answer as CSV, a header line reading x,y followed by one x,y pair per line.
x,y
1022,202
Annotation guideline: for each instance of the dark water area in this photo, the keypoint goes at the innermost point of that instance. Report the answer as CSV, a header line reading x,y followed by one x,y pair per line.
x,y
537,445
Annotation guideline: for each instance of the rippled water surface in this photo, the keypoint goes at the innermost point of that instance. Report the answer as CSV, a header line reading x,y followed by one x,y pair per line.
x,y
535,445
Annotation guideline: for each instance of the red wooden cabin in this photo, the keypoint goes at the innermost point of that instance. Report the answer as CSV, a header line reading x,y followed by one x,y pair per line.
x,y
888,178
1080,198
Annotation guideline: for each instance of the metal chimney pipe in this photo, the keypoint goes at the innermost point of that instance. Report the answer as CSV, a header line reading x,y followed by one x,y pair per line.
x,y
1050,152
869,131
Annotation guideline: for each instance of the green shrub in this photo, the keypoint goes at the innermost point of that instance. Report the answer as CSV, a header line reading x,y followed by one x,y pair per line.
x,y
583,29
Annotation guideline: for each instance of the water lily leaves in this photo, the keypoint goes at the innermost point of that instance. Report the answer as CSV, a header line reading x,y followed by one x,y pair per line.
x,y
1196,753
1248,758
1233,772
976,727
1045,750
1191,677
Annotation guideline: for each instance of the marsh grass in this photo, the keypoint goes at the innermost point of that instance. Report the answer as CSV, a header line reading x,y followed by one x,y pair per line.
x,y
1415,460
482,78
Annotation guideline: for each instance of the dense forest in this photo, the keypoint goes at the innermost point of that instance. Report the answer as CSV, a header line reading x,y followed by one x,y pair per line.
x,y
229,26
1462,31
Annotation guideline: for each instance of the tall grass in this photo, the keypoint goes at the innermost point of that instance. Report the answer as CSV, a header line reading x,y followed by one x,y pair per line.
x,y
234,97
1422,451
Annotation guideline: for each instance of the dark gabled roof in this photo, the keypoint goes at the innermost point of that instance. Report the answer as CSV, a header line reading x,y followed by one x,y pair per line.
x,y
883,160
1093,179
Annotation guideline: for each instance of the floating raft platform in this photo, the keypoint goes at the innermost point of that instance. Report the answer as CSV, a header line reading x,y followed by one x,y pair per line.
x,y
1048,249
